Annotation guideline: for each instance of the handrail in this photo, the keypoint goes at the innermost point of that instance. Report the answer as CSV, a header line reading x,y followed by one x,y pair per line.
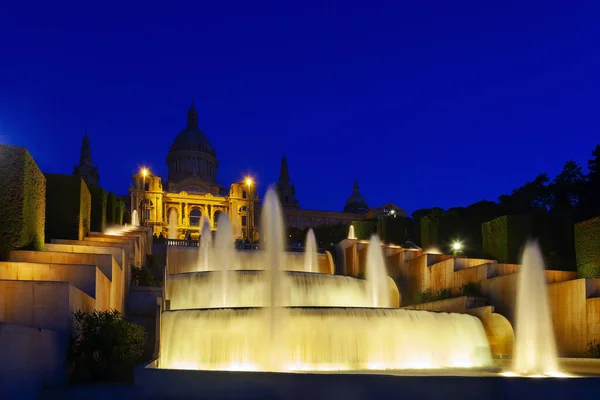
x,y
238,246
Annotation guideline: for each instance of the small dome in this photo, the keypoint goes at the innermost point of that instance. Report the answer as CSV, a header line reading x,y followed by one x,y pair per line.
x,y
191,138
356,203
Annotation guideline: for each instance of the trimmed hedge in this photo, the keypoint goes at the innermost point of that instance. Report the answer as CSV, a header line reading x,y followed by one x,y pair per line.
x,y
22,201
364,229
587,248
430,230
504,237
120,213
111,208
395,229
98,217
68,207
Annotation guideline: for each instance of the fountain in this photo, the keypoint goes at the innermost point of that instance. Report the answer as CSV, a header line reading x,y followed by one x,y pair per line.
x,y
273,319
311,263
223,254
376,274
173,229
135,220
535,347
351,234
205,246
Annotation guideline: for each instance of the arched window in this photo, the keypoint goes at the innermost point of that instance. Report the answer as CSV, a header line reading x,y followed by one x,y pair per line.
x,y
244,195
146,206
195,216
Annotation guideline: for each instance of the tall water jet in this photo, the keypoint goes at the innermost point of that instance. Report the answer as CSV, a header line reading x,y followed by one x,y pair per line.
x,y
535,347
311,263
224,251
173,230
376,274
272,233
351,234
205,243
135,220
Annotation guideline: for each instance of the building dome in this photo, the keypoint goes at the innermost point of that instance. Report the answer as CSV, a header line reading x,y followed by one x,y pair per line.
x,y
356,202
191,153
191,138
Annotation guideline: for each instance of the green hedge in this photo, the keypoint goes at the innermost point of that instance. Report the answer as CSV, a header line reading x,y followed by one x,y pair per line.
x,y
98,217
22,201
68,207
504,237
587,248
111,208
364,229
120,212
395,229
430,230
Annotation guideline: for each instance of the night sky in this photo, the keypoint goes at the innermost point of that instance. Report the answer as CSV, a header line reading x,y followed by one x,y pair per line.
x,y
425,103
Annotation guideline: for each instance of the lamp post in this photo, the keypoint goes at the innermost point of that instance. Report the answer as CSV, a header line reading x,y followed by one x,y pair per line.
x,y
248,219
144,173
457,247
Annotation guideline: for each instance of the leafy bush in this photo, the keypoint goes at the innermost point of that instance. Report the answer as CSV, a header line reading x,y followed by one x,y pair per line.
x,y
469,289
594,349
364,229
150,275
111,209
120,217
425,296
22,201
98,215
444,294
107,347
68,207
587,248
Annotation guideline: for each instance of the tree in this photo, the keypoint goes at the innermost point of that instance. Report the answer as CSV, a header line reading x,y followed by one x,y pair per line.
x,y
566,188
533,196
589,205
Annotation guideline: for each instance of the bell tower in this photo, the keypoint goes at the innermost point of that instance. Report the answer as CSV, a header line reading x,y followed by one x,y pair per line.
x,y
285,188
86,168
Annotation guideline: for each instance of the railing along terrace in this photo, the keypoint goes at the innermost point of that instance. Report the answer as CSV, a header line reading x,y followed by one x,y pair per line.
x,y
238,246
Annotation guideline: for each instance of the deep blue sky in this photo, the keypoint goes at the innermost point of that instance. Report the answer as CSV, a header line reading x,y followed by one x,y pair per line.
x,y
426,103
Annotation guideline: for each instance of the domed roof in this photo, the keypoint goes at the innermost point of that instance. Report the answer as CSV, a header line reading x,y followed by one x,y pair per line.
x,y
356,203
191,138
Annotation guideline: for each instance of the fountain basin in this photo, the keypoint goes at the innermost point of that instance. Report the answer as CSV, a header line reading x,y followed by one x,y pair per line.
x,y
321,339
250,289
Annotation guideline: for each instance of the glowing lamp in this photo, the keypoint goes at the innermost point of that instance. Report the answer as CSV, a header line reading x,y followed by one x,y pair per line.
x,y
144,172
457,246
249,181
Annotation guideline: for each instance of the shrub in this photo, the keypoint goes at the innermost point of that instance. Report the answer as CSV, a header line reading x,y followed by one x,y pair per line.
x,y
425,296
469,289
364,229
504,236
22,201
107,347
111,209
123,214
98,214
444,294
587,248
594,349
68,207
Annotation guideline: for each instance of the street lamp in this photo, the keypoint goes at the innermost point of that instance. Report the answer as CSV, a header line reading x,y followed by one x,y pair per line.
x,y
248,222
144,174
457,247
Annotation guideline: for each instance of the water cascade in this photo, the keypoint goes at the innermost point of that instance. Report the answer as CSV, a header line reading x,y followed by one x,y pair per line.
x,y
173,230
272,319
204,248
376,275
535,347
311,263
351,234
135,220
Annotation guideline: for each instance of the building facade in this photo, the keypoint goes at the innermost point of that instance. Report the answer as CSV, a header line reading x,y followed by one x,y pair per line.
x,y
192,192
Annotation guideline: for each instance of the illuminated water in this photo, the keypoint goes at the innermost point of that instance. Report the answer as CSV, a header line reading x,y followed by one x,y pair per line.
x,y
351,234
376,275
535,346
135,220
271,319
173,229
223,258
205,245
311,263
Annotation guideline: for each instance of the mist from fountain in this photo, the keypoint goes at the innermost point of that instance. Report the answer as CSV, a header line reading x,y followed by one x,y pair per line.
x,y
351,234
535,346
273,247
223,257
376,274
205,245
173,229
311,262
135,220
